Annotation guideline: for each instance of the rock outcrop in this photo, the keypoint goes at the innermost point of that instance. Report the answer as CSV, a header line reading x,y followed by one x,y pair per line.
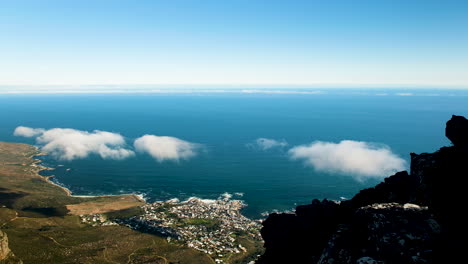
x,y
6,256
408,218
4,249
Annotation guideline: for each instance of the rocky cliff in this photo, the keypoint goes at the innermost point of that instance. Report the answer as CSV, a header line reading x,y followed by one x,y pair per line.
x,y
408,218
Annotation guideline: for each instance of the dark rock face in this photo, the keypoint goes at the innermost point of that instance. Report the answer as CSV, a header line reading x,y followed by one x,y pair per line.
x,y
408,218
384,233
399,188
304,233
444,192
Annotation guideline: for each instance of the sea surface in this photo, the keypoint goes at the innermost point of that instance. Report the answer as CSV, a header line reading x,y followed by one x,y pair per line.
x,y
227,125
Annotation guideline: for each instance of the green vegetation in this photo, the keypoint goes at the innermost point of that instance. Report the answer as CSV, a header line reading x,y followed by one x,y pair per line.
x,y
253,250
125,213
200,221
165,208
210,224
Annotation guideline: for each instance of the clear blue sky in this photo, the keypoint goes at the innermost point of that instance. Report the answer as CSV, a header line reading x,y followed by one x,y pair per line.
x,y
291,42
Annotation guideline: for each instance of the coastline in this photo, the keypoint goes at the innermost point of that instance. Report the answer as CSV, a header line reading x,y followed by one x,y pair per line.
x,y
139,197
215,227
37,168
39,217
36,164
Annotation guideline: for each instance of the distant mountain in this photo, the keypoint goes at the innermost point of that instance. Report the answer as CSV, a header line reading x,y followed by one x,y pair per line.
x,y
408,218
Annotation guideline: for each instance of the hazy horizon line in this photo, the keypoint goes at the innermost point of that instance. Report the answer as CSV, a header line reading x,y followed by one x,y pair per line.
x,y
242,86
401,91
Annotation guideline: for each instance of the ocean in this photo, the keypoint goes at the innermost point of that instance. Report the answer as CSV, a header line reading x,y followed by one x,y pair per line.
x,y
227,126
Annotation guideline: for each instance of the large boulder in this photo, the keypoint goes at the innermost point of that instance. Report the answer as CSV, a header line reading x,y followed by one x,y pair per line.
x,y
457,131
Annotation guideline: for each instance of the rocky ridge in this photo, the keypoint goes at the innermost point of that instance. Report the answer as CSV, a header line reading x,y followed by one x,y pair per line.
x,y
408,218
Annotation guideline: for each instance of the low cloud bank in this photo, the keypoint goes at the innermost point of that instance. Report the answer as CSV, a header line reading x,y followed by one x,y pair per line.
x,y
23,131
163,148
69,144
361,160
267,143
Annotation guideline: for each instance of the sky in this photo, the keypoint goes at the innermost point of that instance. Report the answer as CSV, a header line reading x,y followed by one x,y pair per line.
x,y
234,42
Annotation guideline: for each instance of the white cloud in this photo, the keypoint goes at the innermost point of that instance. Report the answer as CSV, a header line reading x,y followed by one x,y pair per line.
x,y
23,131
267,143
69,144
164,148
358,159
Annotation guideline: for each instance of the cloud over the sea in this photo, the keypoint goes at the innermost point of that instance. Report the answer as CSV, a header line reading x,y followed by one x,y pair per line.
x,y
164,148
23,131
358,159
70,144
267,143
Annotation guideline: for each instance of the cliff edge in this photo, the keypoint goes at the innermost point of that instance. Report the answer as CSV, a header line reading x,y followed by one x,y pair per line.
x,y
412,217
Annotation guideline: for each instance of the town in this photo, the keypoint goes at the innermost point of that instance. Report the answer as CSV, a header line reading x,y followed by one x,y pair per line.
x,y
210,226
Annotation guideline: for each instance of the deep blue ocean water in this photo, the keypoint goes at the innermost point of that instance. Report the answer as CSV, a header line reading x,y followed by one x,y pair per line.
x,y
225,124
